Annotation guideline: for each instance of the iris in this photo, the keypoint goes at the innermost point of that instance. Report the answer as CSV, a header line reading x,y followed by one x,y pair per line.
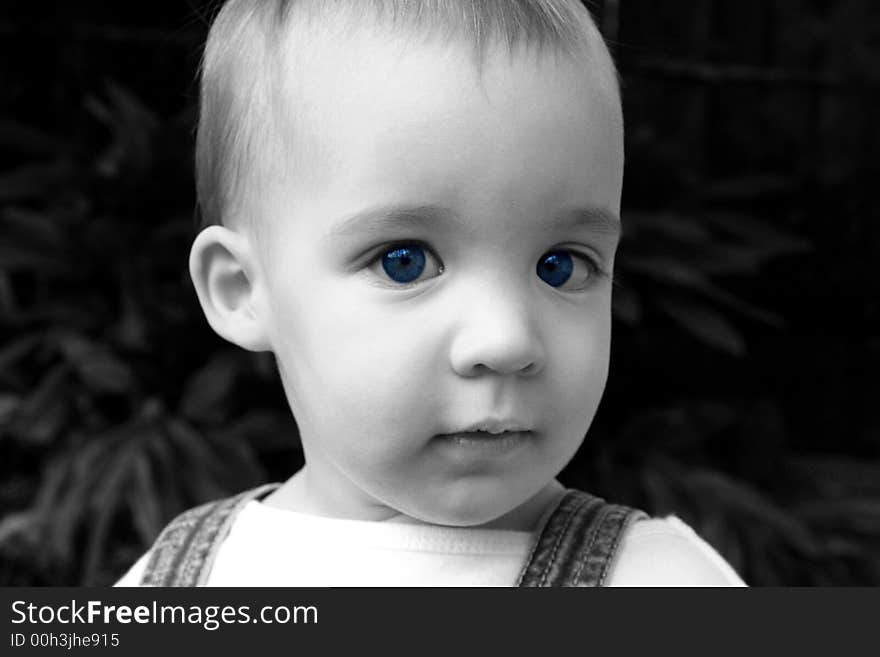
x,y
555,268
404,264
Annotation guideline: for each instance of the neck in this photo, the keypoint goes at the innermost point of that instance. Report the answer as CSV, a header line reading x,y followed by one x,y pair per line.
x,y
295,495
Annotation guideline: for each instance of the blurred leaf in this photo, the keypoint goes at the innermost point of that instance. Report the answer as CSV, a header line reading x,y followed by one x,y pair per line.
x,y
59,507
9,310
131,329
661,496
703,323
749,187
98,368
850,515
680,253
13,351
680,227
132,126
33,181
16,257
263,430
207,391
626,305
165,465
8,405
208,471
43,411
105,499
667,270
248,470
770,241
835,476
15,524
19,225
143,502
727,259
27,139
688,277
727,491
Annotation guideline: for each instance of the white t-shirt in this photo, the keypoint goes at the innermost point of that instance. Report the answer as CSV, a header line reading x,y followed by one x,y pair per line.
x,y
267,546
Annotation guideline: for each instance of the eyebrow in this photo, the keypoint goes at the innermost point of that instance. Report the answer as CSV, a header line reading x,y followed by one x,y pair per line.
x,y
383,218
597,220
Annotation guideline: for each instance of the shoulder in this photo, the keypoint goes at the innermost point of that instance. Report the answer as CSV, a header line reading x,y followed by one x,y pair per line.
x,y
178,536
667,552
173,539
135,574
185,549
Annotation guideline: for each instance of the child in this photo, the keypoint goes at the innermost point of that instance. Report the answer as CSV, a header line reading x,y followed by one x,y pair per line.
x,y
414,206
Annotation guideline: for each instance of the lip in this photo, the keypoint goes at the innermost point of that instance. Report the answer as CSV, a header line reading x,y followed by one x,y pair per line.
x,y
485,443
495,427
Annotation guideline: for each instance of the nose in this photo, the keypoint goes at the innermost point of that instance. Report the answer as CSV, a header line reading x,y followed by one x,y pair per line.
x,y
497,333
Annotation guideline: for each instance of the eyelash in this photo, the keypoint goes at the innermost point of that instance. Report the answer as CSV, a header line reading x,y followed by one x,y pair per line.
x,y
594,268
375,262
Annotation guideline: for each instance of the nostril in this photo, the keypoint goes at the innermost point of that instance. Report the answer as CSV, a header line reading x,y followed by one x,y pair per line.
x,y
497,340
510,368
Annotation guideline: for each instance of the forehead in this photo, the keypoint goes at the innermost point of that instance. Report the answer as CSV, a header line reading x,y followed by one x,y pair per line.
x,y
380,121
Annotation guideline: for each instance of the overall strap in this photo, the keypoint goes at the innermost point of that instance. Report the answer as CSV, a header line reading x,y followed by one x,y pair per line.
x,y
578,542
185,550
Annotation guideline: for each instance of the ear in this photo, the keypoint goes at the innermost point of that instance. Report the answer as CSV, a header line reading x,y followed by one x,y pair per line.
x,y
226,276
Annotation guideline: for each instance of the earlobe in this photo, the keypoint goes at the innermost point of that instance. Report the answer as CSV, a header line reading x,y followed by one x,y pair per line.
x,y
225,274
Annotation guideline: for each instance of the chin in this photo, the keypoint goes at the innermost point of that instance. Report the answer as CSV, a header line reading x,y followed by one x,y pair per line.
x,y
472,509
471,519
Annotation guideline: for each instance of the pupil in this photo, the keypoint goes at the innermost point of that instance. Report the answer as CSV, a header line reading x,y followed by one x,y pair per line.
x,y
555,268
404,264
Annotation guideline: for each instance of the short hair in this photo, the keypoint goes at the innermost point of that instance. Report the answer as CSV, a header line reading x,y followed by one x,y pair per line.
x,y
247,36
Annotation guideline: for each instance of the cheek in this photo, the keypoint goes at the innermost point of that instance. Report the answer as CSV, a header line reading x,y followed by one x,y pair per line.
x,y
350,354
579,364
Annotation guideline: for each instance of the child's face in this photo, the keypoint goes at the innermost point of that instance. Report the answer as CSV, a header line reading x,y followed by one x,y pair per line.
x,y
437,270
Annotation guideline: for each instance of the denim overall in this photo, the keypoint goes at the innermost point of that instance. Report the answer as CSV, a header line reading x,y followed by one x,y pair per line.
x,y
575,546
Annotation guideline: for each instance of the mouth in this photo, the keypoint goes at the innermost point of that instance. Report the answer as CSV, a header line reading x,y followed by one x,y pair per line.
x,y
496,427
486,442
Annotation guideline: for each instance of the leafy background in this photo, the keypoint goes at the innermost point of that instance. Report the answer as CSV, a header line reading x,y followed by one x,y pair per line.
x,y
743,393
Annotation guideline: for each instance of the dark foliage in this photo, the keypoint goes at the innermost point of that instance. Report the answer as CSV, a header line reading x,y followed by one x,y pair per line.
x,y
741,396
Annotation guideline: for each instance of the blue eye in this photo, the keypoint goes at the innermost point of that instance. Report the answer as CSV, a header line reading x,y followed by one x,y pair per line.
x,y
404,264
407,263
555,268
565,268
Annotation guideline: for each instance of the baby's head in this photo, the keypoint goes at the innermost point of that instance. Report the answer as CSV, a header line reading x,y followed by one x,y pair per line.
x,y
415,205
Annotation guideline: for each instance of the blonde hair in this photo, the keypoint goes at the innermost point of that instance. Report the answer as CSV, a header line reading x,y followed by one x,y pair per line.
x,y
241,64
